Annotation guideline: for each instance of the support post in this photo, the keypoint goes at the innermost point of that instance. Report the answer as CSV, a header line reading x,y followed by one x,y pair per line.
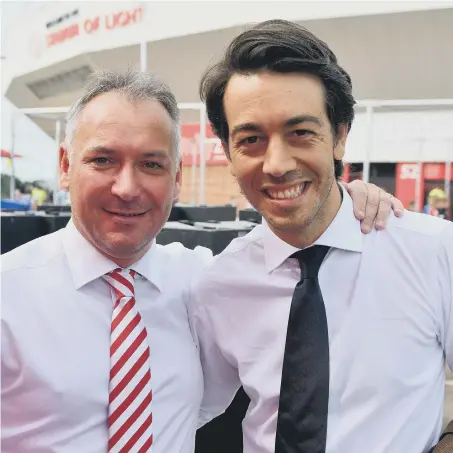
x,y
419,181
369,144
203,123
143,56
57,141
12,181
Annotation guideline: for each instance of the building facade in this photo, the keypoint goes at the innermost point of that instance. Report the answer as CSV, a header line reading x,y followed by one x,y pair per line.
x,y
399,56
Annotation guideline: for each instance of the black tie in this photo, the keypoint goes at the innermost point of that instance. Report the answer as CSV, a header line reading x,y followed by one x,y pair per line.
x,y
304,392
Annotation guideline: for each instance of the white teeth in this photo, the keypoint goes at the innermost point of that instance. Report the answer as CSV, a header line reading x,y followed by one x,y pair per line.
x,y
288,193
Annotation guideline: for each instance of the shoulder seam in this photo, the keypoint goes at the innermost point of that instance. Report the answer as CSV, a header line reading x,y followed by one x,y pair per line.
x,y
448,224
224,255
424,233
29,266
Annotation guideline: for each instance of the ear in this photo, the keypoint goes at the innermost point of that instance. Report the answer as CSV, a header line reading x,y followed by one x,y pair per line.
x,y
64,167
340,145
178,184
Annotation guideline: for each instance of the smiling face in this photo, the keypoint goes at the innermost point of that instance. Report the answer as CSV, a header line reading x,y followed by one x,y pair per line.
x,y
282,151
122,175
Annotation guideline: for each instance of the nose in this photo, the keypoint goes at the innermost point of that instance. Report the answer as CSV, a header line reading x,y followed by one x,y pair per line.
x,y
126,185
278,159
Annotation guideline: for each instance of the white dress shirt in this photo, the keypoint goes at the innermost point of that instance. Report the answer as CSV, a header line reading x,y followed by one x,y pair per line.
x,y
388,298
55,332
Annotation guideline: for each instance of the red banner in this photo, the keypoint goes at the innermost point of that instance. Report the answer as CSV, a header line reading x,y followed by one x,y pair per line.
x,y
435,171
406,181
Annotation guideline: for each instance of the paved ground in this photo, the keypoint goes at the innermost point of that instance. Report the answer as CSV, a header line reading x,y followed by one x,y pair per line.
x,y
448,412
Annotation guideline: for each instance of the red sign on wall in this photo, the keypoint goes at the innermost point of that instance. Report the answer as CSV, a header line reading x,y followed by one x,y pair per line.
x,y
406,182
110,21
407,175
434,171
190,146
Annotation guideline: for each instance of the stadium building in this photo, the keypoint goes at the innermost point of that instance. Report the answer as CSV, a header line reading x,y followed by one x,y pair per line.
x,y
398,55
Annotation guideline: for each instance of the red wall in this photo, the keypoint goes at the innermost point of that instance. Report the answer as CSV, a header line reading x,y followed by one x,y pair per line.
x,y
406,179
190,134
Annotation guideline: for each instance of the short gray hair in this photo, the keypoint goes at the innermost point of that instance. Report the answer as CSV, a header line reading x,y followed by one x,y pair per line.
x,y
136,86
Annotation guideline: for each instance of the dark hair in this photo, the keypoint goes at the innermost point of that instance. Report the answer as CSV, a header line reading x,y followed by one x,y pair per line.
x,y
283,47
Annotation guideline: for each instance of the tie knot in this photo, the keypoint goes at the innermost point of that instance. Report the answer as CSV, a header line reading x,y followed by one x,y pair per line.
x,y
310,260
122,281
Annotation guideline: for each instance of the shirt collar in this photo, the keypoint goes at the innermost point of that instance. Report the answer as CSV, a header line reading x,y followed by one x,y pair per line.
x,y
87,264
343,233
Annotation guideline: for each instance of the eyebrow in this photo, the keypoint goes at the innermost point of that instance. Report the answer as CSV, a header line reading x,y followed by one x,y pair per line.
x,y
253,127
304,119
110,152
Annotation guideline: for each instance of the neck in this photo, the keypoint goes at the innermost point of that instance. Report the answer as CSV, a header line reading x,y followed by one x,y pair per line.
x,y
121,261
306,235
126,262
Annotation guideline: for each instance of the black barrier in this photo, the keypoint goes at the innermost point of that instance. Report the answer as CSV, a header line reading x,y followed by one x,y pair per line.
x,y
198,213
224,433
54,208
250,215
214,236
56,222
17,230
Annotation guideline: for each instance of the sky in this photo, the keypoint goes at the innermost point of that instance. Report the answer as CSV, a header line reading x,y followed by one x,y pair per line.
x,y
39,151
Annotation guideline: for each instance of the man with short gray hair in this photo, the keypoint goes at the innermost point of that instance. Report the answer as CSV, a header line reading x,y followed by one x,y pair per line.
x,y
77,377
97,349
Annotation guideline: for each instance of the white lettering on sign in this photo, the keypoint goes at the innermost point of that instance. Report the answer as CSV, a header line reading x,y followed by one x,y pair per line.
x,y
409,171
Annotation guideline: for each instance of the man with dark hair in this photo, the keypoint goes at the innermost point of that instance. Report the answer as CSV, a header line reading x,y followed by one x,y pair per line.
x,y
308,55
338,338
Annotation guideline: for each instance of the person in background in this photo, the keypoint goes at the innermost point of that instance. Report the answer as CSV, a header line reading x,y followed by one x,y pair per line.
x,y
18,194
429,207
23,194
63,198
441,206
97,350
412,206
339,339
38,195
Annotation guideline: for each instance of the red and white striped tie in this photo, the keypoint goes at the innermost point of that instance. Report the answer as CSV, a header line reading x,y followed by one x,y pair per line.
x,y
130,416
